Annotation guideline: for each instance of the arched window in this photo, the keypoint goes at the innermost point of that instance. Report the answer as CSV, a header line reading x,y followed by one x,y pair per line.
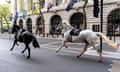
x,y
55,20
39,25
29,24
76,20
113,26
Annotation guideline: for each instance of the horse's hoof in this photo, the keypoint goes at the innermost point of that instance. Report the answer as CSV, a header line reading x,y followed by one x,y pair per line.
x,y
78,56
98,50
100,61
66,46
11,49
22,52
57,51
28,57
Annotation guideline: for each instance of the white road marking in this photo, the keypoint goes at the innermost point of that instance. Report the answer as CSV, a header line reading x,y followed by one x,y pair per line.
x,y
92,52
118,50
88,52
63,47
49,43
109,70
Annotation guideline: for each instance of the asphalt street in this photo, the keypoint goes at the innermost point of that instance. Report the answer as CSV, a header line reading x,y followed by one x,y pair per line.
x,y
46,59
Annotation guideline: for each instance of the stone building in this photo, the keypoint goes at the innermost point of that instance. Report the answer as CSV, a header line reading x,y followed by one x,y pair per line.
x,y
57,13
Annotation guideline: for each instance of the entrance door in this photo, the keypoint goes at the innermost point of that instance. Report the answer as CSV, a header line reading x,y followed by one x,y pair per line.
x,y
39,26
77,21
29,24
113,26
54,22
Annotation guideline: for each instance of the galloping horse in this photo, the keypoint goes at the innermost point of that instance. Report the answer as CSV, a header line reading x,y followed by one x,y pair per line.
x,y
85,36
24,36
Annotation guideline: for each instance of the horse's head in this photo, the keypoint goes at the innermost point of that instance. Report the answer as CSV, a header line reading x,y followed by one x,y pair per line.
x,y
66,25
15,28
59,27
63,26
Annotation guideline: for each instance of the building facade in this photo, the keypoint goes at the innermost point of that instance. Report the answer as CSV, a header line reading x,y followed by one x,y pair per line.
x,y
29,18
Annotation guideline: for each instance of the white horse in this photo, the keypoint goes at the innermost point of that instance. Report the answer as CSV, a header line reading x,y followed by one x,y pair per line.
x,y
85,36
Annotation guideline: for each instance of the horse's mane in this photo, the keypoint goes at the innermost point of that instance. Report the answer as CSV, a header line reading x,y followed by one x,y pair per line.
x,y
16,26
66,24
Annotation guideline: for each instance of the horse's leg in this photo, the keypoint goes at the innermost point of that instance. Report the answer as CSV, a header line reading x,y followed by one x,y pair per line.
x,y
17,44
84,50
28,53
64,44
24,50
69,39
15,41
27,47
99,52
58,49
66,39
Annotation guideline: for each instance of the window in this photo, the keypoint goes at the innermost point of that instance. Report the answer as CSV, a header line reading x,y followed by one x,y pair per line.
x,y
42,3
113,26
58,2
54,22
96,28
76,20
29,6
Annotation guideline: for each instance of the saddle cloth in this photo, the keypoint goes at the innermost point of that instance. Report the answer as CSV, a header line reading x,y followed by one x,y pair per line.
x,y
19,35
75,32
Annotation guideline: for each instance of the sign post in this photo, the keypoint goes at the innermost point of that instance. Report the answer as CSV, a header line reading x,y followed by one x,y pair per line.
x,y
101,22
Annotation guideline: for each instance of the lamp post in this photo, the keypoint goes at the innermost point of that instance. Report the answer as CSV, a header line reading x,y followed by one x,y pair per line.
x,y
15,19
84,13
101,21
42,17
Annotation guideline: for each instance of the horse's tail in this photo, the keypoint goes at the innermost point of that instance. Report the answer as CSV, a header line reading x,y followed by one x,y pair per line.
x,y
108,42
35,43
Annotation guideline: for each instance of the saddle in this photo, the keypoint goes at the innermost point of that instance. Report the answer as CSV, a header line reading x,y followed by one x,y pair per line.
x,y
75,31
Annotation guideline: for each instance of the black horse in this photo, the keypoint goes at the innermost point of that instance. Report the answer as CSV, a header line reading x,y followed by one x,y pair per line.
x,y
24,36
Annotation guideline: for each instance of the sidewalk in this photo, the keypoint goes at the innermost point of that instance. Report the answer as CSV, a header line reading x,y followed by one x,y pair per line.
x,y
116,39
9,36
6,36
50,37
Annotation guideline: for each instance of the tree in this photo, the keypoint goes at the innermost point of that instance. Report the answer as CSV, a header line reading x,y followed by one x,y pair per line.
x,y
5,13
41,15
84,12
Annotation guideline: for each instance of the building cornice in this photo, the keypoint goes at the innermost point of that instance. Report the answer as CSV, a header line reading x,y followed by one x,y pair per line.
x,y
77,6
